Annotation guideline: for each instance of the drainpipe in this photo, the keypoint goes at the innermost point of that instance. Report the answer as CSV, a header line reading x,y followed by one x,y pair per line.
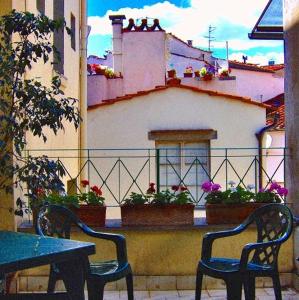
x,y
83,86
260,136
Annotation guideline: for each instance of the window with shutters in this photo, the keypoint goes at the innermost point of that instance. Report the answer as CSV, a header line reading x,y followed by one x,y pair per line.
x,y
73,32
58,6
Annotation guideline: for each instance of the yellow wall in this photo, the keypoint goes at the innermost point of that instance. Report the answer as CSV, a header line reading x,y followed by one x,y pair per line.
x,y
173,252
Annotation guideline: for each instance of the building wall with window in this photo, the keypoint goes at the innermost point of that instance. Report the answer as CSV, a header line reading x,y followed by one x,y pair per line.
x,y
68,68
189,121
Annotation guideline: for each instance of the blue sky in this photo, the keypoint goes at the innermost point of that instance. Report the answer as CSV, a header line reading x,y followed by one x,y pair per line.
x,y
189,19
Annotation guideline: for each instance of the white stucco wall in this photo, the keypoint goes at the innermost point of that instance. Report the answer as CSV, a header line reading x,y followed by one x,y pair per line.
x,y
126,125
188,56
143,60
273,158
254,84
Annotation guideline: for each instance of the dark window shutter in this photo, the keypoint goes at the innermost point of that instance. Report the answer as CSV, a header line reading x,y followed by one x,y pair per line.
x,y
59,37
73,32
40,5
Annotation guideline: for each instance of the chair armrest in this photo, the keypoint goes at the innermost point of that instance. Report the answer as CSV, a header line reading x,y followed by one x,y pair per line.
x,y
209,238
254,246
118,239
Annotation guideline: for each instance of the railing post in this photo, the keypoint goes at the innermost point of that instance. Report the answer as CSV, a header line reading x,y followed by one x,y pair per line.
x,y
284,166
226,169
158,169
255,173
88,167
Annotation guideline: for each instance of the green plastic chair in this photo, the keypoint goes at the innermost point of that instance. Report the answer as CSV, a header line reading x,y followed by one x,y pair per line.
x,y
56,221
274,224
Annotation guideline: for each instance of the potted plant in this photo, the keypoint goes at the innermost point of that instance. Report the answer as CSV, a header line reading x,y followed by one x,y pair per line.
x,y
92,209
237,203
158,209
171,73
197,73
98,69
206,74
188,72
109,73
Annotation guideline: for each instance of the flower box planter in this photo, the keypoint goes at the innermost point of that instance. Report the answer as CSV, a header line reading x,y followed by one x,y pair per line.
x,y
171,73
157,215
227,77
188,75
230,213
91,215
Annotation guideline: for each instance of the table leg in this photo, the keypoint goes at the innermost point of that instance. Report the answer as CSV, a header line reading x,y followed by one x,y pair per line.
x,y
73,273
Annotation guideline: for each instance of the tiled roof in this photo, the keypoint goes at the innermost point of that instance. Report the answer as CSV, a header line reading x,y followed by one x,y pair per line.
x,y
144,27
281,120
233,64
175,37
275,101
245,100
274,67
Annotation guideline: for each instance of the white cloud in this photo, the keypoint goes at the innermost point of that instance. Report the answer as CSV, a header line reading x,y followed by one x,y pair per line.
x,y
192,22
259,58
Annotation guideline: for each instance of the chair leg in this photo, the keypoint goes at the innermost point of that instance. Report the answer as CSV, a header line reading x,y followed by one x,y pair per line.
x,y
95,290
234,289
249,287
52,281
129,280
276,286
198,287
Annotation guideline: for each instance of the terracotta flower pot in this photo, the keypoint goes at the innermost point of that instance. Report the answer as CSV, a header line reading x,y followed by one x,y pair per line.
x,y
188,74
207,77
197,74
157,215
91,215
171,73
99,71
230,213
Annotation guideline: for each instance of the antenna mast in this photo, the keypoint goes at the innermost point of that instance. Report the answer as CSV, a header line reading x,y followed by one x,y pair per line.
x,y
210,37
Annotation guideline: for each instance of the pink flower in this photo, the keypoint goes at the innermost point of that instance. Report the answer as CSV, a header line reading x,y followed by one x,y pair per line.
x,y
261,190
175,188
207,186
274,186
282,191
152,184
215,187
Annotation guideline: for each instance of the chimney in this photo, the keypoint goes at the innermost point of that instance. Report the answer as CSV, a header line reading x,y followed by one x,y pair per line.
x,y
190,42
117,26
271,62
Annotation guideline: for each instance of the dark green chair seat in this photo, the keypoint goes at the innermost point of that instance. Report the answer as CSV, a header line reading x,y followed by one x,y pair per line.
x,y
274,223
54,220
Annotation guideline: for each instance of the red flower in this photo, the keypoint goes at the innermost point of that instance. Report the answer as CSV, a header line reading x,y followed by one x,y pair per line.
x,y
152,184
40,192
151,190
96,190
85,182
183,188
175,188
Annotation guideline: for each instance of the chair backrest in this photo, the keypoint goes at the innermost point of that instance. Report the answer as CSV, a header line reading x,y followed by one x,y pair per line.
x,y
56,221
274,222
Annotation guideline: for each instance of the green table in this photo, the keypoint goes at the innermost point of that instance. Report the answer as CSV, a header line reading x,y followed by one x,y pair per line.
x,y
19,251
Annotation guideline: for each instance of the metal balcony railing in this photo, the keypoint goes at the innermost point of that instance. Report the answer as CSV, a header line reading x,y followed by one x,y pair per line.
x,y
122,171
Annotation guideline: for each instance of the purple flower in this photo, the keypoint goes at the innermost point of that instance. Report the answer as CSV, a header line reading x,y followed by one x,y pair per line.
x,y
207,186
261,190
215,187
282,191
274,186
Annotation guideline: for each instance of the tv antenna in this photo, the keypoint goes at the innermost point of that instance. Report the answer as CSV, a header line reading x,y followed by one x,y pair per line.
x,y
210,37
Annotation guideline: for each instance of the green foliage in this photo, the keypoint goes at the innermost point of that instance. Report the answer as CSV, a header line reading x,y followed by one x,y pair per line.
x,y
267,197
160,198
217,197
63,200
136,199
91,198
28,106
238,195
